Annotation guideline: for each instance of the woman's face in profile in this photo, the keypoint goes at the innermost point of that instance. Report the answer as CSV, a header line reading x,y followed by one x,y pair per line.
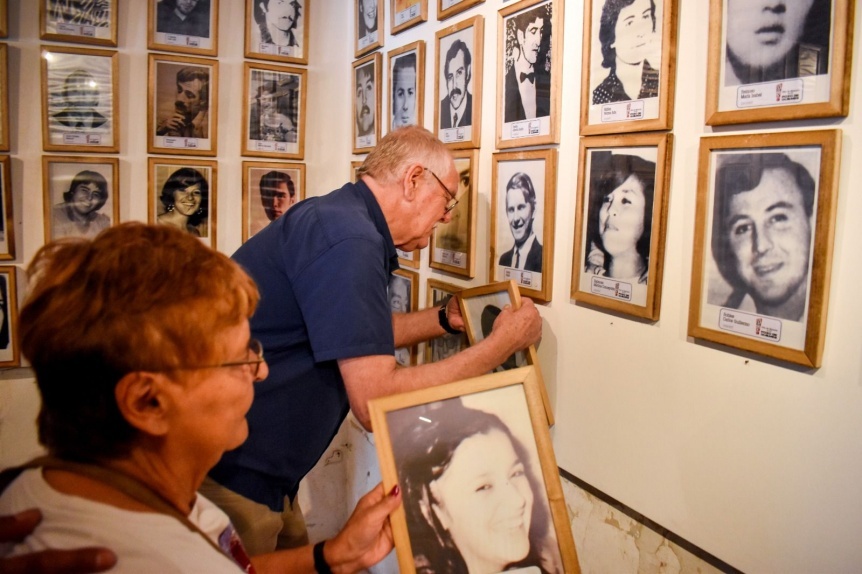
x,y
87,197
762,32
485,502
188,200
621,217
632,32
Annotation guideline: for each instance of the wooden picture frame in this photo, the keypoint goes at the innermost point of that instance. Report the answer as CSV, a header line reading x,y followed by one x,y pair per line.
x,y
273,111
197,33
366,81
279,35
802,70
354,168
480,306
4,98
448,8
269,189
7,211
10,353
443,438
172,179
529,29
182,122
403,296
4,19
368,15
621,214
524,173
453,245
447,344
451,127
80,100
81,195
77,22
407,13
760,276
608,104
409,258
405,105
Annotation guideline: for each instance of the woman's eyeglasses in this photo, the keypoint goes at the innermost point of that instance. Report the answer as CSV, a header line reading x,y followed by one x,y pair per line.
x,y
254,346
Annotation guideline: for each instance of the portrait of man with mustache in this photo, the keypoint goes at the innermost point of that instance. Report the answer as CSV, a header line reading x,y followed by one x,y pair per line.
x,y
365,100
456,109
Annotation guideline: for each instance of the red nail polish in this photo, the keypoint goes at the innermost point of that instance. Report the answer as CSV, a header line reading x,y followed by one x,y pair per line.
x,y
396,490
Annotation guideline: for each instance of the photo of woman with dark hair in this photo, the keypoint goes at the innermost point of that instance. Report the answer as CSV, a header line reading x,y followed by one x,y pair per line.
x,y
185,201
78,215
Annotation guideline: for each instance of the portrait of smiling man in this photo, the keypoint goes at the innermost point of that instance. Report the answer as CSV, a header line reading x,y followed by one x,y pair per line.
x,y
528,78
526,253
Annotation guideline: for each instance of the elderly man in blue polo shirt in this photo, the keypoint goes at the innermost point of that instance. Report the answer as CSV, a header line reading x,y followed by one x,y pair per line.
x,y
324,319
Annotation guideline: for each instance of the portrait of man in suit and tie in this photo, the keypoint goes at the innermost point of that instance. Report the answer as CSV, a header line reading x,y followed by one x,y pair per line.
x,y
526,253
456,109
528,64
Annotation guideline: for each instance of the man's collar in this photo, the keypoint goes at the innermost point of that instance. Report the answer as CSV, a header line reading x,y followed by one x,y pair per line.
x,y
379,220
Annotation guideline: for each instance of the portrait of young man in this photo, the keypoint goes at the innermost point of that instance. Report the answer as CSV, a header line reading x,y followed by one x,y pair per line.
x,y
183,17
527,86
80,99
405,90
526,251
278,27
368,17
183,101
365,104
272,191
456,107
274,106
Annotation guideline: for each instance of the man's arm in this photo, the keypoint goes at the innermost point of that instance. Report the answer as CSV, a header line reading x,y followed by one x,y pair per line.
x,y
375,376
412,328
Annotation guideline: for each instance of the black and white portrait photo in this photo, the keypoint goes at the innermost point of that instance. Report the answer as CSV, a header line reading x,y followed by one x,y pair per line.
x,y
183,104
528,64
81,198
405,91
85,21
451,242
402,299
458,83
9,353
369,20
271,189
481,310
366,101
184,26
277,30
7,227
273,109
183,195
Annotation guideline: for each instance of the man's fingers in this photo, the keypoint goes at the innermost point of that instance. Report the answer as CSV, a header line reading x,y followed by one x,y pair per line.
x,y
16,527
81,561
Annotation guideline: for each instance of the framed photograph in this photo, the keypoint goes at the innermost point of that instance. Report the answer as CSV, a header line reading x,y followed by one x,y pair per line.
x,y
274,111
277,30
458,84
369,26
78,21
4,97
81,195
354,171
80,103
182,109
445,345
768,64
629,66
183,194
471,457
366,103
4,19
449,8
404,298
187,26
9,352
620,222
523,204
453,244
409,258
408,13
406,102
763,242
7,221
269,189
529,73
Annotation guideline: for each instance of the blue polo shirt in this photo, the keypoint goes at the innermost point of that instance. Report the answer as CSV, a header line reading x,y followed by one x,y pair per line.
x,y
322,269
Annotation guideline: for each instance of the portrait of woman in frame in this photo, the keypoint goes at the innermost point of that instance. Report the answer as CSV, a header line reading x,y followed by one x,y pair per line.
x,y
467,454
763,242
187,26
366,103
404,298
783,61
448,344
406,103
277,30
453,244
182,108
369,25
269,189
274,111
183,195
449,8
78,21
407,13
7,222
620,221
80,104
458,84
9,351
81,196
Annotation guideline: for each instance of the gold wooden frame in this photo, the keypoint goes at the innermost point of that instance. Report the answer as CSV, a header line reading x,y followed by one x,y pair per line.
x,y
418,47
251,189
837,85
354,166
8,211
263,147
181,145
173,42
454,8
548,203
813,331
617,299
274,52
449,289
536,131
625,109
4,19
376,60
12,314
72,31
515,397
373,44
153,179
4,98
450,260
412,278
55,138
49,191
452,137
412,18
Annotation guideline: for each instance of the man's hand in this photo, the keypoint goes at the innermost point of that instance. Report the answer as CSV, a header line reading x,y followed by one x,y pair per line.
x,y
81,561
453,314
173,126
519,328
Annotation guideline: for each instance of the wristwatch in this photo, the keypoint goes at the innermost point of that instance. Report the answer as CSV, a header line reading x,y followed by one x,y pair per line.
x,y
444,320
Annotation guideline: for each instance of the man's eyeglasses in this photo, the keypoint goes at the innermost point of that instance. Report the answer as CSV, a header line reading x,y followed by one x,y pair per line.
x,y
453,201
254,346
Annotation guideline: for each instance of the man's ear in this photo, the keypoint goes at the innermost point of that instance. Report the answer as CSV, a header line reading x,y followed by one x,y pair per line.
x,y
143,402
411,181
